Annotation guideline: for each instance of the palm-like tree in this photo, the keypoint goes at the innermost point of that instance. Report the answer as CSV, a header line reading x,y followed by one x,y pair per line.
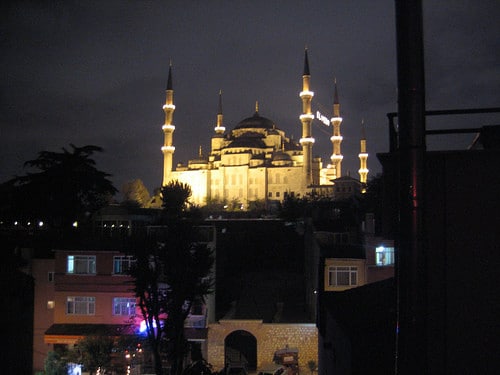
x,y
172,271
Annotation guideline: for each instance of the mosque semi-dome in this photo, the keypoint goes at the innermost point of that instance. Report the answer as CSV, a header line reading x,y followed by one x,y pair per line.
x,y
281,156
251,142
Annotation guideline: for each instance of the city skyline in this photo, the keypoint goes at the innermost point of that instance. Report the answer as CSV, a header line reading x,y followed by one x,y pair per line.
x,y
96,73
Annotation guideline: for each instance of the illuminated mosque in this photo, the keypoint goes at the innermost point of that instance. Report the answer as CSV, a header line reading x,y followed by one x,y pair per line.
x,y
257,162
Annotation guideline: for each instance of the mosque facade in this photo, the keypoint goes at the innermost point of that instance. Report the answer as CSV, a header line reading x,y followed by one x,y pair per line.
x,y
256,161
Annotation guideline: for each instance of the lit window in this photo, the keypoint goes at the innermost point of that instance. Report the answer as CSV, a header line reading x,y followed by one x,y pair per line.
x,y
122,264
342,276
81,264
123,306
80,306
384,256
50,305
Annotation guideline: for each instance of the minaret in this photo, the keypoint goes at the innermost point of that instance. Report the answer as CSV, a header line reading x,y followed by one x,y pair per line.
x,y
218,136
219,128
168,130
336,139
363,157
306,119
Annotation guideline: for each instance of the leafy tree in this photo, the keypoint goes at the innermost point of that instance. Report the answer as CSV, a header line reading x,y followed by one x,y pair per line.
x,y
188,266
147,274
66,187
54,364
175,196
93,352
170,276
136,193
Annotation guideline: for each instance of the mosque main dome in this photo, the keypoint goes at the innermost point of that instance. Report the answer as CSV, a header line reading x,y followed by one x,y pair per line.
x,y
256,122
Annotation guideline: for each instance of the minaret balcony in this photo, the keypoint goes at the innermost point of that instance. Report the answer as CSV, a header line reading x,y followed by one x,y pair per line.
x,y
336,119
336,138
167,127
363,155
306,140
169,106
308,116
363,170
220,129
167,149
307,94
336,158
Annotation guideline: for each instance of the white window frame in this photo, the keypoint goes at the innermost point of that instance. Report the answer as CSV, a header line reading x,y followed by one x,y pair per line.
x,y
342,276
81,265
122,263
384,256
80,305
124,306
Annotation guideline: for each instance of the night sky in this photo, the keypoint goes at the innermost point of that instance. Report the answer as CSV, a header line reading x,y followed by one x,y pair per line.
x,y
95,72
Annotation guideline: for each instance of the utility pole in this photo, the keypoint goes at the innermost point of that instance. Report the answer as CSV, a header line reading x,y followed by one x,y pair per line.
x,y
411,344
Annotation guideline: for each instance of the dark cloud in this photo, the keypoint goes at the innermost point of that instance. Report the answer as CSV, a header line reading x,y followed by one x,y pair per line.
x,y
95,72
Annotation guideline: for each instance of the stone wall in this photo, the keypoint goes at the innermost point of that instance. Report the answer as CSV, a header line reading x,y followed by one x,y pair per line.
x,y
270,337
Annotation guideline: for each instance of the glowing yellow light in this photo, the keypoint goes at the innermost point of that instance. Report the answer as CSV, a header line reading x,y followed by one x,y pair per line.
x,y
363,155
75,224
168,127
169,106
336,119
306,140
306,93
220,128
336,157
322,118
336,138
168,148
363,170
307,116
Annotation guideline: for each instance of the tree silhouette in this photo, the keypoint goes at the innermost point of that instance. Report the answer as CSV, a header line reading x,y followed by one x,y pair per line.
x,y
66,187
175,196
135,193
171,273
94,352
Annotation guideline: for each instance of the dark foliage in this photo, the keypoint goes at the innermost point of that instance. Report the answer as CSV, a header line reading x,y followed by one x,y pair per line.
x,y
65,187
173,271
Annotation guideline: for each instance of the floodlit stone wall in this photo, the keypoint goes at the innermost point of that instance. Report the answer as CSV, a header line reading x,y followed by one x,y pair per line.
x,y
270,337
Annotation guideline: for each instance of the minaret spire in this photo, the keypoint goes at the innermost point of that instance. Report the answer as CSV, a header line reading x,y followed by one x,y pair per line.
x,y
219,128
218,137
169,80
306,119
306,64
363,157
336,138
168,129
